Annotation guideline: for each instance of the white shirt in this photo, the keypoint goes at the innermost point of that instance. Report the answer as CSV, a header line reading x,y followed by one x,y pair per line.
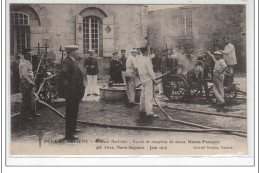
x,y
131,64
25,70
220,66
229,54
145,68
152,56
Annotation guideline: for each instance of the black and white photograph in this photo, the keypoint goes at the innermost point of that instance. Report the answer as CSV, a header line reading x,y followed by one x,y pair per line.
x,y
128,79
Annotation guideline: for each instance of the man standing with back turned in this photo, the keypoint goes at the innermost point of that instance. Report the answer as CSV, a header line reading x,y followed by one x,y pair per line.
x,y
74,90
131,77
147,78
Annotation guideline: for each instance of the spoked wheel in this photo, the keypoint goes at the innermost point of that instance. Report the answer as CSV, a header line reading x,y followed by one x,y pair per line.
x,y
212,97
175,88
231,93
194,88
46,94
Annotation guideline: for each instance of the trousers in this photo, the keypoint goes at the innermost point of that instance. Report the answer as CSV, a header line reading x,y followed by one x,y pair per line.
x,y
229,78
27,105
229,69
72,109
92,84
146,99
15,80
130,87
218,87
159,86
123,76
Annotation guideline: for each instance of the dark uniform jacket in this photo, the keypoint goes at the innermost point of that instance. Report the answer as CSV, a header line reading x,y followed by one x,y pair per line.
x,y
157,62
169,64
91,65
15,77
123,60
115,71
74,87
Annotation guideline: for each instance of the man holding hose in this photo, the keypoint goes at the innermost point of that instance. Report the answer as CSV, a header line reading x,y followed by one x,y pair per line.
x,y
27,87
147,78
131,77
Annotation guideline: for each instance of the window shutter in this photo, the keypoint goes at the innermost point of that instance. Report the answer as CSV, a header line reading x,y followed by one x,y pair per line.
x,y
108,36
79,33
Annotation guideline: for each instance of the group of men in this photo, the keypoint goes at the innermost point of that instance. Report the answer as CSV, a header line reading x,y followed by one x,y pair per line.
x,y
141,67
224,63
126,69
72,84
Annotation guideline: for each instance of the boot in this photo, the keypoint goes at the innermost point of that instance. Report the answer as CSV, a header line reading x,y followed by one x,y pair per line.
x,y
142,116
149,120
36,115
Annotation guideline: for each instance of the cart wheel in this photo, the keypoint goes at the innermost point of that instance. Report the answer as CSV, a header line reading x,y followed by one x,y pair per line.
x,y
194,88
230,94
45,94
175,88
212,97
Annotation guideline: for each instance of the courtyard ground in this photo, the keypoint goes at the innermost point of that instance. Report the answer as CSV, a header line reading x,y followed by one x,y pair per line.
x,y
98,140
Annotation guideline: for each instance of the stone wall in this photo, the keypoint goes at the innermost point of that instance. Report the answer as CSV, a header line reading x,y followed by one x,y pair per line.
x,y
210,24
57,26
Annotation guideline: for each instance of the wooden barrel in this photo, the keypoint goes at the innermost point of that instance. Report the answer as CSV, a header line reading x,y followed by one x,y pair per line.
x,y
116,94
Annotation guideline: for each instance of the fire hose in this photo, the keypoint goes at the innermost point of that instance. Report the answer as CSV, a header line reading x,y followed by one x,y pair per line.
x,y
236,132
203,129
204,112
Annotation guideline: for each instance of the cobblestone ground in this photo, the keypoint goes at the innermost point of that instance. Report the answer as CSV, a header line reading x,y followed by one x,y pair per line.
x,y
24,135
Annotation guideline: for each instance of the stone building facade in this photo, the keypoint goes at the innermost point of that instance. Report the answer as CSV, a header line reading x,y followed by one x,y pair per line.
x,y
202,26
104,28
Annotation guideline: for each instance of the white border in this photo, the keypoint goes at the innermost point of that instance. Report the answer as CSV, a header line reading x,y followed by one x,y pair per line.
x,y
143,160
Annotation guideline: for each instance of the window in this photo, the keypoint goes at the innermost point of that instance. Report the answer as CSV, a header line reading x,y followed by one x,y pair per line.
x,y
182,23
19,18
91,34
20,32
188,23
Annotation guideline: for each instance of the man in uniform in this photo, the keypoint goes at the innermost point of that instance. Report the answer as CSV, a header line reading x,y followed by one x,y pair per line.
x,y
152,54
169,61
229,55
15,77
187,61
131,77
92,69
123,60
27,106
169,64
157,62
115,69
205,70
139,51
74,90
165,65
218,78
147,78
